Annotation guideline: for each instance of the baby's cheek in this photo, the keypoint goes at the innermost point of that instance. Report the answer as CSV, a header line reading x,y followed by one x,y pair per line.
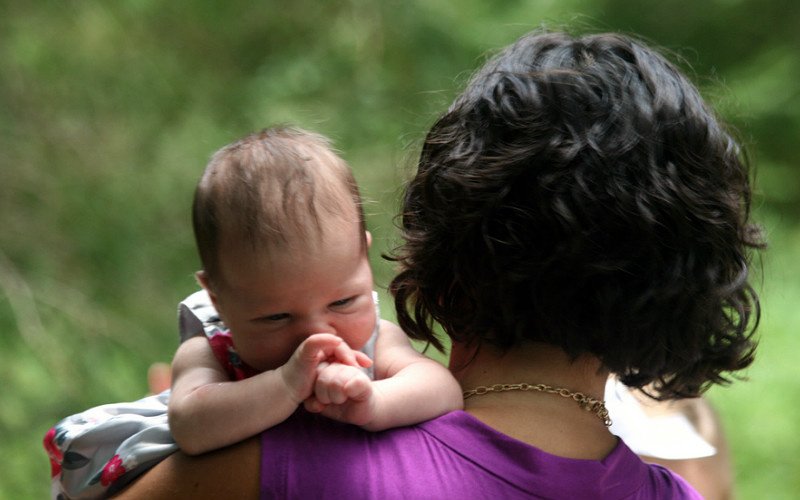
x,y
361,330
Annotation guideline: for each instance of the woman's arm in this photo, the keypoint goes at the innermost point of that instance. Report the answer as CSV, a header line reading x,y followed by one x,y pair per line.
x,y
231,472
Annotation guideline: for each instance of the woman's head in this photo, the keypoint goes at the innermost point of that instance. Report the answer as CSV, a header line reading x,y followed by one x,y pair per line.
x,y
580,192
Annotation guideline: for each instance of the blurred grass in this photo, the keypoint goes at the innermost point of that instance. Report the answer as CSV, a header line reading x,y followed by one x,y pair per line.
x,y
109,111
760,415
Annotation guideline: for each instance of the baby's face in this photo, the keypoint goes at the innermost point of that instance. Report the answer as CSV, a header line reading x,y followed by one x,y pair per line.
x,y
273,301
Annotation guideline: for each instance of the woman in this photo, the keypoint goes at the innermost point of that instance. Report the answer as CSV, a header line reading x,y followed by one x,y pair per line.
x,y
579,211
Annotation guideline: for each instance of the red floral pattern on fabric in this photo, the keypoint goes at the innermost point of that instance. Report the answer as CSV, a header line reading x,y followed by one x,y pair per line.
x,y
112,471
222,346
53,452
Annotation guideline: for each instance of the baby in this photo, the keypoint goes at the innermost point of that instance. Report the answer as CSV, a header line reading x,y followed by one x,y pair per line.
x,y
282,240
287,317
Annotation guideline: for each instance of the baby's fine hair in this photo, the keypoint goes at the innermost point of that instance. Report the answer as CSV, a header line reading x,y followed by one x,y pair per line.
x,y
580,192
280,185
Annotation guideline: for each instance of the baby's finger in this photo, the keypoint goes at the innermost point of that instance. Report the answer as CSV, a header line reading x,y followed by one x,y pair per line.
x,y
318,347
363,360
330,385
358,388
346,356
322,386
313,405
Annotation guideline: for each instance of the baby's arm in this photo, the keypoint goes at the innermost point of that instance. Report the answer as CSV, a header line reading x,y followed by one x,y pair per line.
x,y
208,411
409,387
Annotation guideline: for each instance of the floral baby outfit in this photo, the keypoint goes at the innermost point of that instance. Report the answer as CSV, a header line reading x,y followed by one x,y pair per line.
x,y
96,453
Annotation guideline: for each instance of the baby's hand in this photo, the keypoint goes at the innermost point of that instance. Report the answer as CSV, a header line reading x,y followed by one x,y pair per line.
x,y
344,393
300,372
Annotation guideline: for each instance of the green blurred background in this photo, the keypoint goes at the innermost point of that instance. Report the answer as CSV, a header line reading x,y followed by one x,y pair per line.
x,y
109,111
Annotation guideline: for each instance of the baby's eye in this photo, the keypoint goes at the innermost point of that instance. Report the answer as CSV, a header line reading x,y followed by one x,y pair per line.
x,y
342,302
275,317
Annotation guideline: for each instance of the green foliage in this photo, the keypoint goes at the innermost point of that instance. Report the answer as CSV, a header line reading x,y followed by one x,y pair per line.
x,y
109,111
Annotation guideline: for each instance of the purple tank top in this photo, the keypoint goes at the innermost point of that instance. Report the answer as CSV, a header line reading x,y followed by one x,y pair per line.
x,y
453,456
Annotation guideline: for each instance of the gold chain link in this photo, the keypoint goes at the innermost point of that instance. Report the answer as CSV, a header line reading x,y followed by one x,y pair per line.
x,y
588,403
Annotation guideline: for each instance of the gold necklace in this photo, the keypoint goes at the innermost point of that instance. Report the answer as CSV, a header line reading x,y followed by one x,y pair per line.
x,y
588,403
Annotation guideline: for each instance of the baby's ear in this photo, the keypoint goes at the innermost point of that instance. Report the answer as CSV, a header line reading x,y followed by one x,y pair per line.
x,y
203,280
369,238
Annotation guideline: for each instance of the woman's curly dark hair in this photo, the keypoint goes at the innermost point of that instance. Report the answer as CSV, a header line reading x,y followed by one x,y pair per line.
x,y
580,192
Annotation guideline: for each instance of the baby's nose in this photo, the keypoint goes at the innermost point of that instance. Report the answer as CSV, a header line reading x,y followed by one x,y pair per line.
x,y
316,324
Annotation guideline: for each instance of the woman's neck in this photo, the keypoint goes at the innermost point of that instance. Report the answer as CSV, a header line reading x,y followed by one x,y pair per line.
x,y
533,363
552,423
